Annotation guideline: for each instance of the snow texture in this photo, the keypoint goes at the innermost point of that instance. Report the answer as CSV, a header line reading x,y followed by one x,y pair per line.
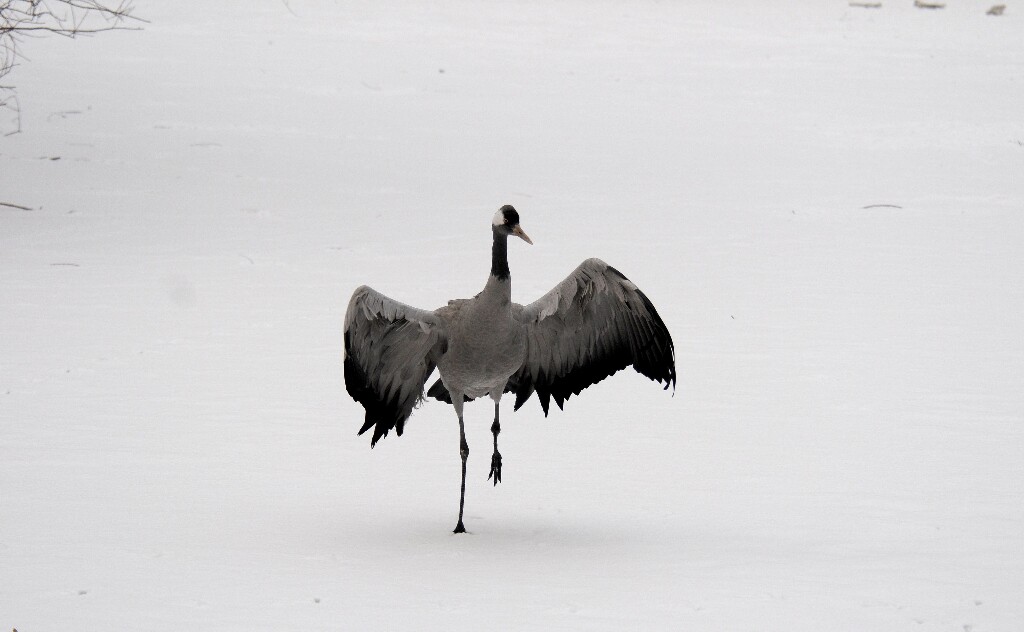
x,y
825,203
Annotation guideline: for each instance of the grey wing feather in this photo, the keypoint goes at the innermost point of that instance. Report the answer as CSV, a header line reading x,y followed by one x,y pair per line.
x,y
589,326
390,351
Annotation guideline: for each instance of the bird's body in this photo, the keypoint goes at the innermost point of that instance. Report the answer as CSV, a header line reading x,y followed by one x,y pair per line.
x,y
486,344
588,327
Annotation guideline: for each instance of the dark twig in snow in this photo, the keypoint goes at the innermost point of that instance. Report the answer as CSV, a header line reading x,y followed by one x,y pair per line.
x,y
17,206
9,99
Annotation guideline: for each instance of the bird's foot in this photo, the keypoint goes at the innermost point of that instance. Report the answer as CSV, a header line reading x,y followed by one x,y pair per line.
x,y
495,467
460,528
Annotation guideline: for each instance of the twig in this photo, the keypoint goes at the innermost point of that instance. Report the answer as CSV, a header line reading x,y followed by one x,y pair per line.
x,y
9,101
17,206
881,206
75,30
69,18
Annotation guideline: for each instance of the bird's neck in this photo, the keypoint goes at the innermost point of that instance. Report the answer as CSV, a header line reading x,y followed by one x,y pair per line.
x,y
499,257
500,280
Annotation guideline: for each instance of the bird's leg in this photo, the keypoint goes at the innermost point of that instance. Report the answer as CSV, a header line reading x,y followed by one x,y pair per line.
x,y
464,453
496,457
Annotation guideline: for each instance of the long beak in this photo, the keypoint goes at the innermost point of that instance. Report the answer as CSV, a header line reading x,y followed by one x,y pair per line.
x,y
518,232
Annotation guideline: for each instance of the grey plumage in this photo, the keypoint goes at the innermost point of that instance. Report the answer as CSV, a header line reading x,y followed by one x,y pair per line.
x,y
588,327
390,351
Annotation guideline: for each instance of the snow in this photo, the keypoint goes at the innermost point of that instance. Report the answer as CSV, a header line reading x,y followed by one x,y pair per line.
x,y
823,202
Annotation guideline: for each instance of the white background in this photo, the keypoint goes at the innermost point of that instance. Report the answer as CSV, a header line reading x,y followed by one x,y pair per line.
x,y
844,450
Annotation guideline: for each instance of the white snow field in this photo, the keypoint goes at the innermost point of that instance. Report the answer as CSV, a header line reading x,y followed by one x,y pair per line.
x,y
825,203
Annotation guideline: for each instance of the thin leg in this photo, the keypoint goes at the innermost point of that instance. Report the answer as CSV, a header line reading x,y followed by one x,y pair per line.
x,y
464,453
496,457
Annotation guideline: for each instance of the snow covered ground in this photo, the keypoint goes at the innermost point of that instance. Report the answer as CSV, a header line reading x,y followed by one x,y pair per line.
x,y
826,204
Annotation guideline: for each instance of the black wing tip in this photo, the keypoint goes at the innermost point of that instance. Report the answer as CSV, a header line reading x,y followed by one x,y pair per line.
x,y
381,414
381,427
663,362
661,367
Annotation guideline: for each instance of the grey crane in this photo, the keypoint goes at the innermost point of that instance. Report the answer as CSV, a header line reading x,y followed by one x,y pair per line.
x,y
589,326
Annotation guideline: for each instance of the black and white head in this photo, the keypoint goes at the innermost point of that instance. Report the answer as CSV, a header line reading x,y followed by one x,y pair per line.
x,y
506,222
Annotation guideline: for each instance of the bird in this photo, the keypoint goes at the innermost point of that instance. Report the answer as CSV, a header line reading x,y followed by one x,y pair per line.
x,y
591,325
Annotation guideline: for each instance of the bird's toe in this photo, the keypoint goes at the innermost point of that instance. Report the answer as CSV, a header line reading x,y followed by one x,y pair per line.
x,y
495,468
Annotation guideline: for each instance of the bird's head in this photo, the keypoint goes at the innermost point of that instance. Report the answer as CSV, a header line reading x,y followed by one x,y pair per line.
x,y
506,222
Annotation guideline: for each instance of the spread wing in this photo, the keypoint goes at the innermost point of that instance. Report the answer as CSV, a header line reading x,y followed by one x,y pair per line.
x,y
589,326
390,351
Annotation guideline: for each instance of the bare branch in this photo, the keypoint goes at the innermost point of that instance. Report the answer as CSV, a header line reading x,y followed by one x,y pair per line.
x,y
9,103
16,206
68,18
